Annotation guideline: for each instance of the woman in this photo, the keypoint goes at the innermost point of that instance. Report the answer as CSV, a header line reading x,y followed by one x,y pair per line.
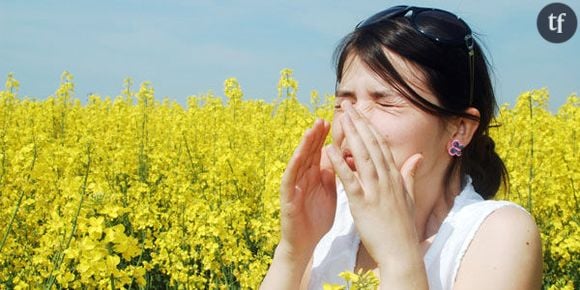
x,y
415,166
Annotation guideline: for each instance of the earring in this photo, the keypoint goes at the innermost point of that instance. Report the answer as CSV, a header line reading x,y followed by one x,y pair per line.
x,y
456,148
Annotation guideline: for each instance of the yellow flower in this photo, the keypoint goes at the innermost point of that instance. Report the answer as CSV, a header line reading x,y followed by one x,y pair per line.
x,y
188,196
327,286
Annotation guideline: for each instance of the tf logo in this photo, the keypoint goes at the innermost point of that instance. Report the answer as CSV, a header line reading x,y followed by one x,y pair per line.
x,y
557,22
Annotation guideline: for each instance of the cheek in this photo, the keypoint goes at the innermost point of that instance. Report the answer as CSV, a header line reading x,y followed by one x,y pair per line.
x,y
405,139
399,144
427,140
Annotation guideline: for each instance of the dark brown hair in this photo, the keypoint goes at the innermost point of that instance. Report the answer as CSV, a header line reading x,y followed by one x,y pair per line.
x,y
445,69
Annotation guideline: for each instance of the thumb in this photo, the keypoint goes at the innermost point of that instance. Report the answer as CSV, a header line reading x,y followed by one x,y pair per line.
x,y
408,171
324,160
327,171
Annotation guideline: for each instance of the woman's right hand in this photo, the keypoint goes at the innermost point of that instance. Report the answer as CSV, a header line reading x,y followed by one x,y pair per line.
x,y
307,195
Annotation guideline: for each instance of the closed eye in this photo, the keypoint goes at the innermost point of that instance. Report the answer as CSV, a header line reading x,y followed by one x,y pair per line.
x,y
341,96
385,105
388,99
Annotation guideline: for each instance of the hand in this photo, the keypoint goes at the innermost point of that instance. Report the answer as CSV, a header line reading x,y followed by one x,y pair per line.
x,y
380,196
307,195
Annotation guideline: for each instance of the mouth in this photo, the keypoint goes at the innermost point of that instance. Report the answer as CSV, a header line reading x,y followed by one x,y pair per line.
x,y
348,158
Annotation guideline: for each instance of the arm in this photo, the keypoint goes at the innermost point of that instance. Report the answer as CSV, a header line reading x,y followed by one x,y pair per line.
x,y
287,271
506,253
306,276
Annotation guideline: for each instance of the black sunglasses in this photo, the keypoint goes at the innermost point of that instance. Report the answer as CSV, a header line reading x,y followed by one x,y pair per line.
x,y
438,25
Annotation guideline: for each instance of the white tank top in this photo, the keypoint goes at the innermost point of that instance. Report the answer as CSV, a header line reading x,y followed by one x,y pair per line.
x,y
336,251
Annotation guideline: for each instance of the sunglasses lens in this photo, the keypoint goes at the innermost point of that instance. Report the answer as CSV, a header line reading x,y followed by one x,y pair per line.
x,y
441,25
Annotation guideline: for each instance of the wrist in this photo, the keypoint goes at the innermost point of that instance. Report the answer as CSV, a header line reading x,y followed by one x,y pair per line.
x,y
286,270
288,254
406,271
403,275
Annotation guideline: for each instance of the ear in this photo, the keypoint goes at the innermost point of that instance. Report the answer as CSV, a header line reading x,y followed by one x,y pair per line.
x,y
462,129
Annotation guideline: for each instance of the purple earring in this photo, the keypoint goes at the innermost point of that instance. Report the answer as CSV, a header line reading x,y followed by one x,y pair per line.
x,y
456,148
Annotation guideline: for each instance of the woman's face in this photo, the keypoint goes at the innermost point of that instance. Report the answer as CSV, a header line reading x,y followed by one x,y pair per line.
x,y
407,129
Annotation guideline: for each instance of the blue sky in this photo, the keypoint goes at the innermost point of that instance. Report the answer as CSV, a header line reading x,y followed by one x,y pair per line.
x,y
190,47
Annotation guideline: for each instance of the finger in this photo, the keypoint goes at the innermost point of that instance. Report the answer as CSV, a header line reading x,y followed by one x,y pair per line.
x,y
387,154
369,139
324,159
321,157
319,131
383,145
296,161
408,171
328,175
362,157
349,180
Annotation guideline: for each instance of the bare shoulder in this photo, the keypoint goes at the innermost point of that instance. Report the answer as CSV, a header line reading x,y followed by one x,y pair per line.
x,y
506,253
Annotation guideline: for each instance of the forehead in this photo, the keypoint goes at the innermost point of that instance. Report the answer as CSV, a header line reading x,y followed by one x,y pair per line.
x,y
354,67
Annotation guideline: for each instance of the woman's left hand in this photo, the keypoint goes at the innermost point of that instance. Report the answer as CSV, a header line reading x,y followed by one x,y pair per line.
x,y
381,197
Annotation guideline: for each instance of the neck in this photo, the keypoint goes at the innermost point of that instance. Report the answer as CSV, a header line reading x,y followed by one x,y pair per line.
x,y
434,199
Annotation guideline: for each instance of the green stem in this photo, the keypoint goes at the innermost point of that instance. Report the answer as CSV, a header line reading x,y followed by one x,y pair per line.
x,y
189,154
9,229
20,196
235,180
140,256
60,255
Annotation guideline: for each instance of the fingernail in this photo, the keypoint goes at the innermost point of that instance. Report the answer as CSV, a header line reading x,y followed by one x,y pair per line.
x,y
417,165
420,160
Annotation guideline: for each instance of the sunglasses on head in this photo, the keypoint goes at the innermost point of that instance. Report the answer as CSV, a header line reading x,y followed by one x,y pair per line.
x,y
438,25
